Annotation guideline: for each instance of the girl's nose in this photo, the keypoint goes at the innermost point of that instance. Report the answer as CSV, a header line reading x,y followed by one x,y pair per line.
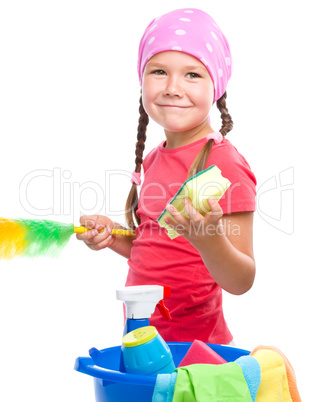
x,y
173,87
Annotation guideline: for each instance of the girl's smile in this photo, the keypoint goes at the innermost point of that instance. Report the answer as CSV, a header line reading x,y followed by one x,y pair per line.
x,y
177,93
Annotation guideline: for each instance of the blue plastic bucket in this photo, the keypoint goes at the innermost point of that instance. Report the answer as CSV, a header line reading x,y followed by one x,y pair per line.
x,y
113,386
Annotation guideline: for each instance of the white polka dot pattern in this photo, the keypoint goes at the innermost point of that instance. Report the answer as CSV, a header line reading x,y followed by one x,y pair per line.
x,y
180,32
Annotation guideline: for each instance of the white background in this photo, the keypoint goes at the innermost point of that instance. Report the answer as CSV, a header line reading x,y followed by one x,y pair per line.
x,y
68,101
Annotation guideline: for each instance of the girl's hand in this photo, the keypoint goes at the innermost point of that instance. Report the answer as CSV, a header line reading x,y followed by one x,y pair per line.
x,y
99,236
197,227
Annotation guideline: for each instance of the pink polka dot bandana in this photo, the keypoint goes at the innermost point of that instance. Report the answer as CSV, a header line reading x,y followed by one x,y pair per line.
x,y
194,32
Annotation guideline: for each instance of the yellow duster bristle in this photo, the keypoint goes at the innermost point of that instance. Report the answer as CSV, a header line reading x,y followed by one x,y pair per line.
x,y
12,239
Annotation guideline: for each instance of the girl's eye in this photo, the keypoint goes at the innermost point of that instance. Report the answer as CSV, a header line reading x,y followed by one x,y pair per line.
x,y
159,72
193,75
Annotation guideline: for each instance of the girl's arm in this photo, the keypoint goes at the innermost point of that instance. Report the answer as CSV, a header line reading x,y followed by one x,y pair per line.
x,y
122,244
229,254
99,237
224,243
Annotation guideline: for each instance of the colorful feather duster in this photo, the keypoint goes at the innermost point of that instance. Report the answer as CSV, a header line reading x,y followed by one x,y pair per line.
x,y
33,238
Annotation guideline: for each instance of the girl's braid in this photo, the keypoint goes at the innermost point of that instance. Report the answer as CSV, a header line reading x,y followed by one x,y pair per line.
x,y
200,162
227,122
132,201
141,137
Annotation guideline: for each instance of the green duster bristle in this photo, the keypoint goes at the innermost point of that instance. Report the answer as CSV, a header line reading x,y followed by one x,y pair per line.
x,y
45,237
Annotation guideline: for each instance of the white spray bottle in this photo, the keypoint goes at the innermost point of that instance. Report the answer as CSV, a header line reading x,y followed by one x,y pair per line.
x,y
140,303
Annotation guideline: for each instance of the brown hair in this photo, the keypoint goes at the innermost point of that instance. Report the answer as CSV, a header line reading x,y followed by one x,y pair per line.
x,y
132,200
198,164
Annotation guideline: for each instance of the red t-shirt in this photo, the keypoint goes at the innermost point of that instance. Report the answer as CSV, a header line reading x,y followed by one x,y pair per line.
x,y
195,303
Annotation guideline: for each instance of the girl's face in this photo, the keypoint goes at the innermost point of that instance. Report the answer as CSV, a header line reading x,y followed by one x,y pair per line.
x,y
177,91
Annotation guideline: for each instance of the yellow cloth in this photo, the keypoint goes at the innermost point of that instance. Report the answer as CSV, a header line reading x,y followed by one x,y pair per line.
x,y
274,384
291,377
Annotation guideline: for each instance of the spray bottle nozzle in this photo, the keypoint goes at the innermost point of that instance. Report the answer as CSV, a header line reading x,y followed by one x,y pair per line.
x,y
140,301
161,305
164,310
167,291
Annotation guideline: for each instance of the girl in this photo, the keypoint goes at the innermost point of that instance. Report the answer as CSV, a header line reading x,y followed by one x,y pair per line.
x,y
184,65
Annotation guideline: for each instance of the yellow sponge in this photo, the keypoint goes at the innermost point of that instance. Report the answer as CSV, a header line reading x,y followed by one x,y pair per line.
x,y
205,184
